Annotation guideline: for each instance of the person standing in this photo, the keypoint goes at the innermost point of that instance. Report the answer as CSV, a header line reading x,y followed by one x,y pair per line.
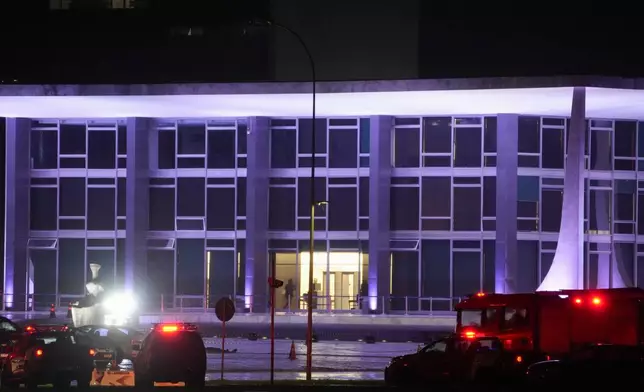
x,y
289,290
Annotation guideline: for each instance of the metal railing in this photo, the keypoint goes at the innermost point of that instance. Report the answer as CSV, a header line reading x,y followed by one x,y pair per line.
x,y
168,303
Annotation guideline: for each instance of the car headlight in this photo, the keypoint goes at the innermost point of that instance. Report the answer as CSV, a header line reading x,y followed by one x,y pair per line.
x,y
120,304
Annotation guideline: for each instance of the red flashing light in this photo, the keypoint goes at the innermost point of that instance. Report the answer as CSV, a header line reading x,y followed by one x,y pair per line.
x,y
92,352
169,328
175,327
519,359
597,301
469,334
30,328
578,301
480,294
39,353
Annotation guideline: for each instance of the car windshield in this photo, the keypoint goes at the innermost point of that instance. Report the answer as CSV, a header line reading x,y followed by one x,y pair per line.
x,y
46,339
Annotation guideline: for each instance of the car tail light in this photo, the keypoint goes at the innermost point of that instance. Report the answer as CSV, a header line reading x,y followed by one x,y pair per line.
x,y
519,359
92,352
597,301
39,353
169,328
30,328
469,334
578,301
177,327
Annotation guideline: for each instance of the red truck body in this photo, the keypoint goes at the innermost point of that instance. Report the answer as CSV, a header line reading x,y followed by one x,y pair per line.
x,y
555,322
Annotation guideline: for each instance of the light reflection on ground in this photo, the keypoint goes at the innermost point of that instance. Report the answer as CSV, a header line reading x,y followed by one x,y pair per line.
x,y
280,376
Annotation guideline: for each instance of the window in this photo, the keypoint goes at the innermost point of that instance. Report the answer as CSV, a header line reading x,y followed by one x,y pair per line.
x,y
343,209
406,147
241,196
221,149
624,208
467,147
191,139
71,266
44,274
242,139
625,143
489,135
343,148
551,204
161,273
467,273
122,140
599,205
439,346
102,150
166,149
516,318
305,136
553,148
281,211
601,157
44,150
437,196
467,209
283,148
221,209
437,135
43,213
121,190
529,128
162,209
105,258
72,197
365,136
7,326
435,271
101,209
190,267
191,196
404,213
222,267
489,196
404,280
304,195
364,196
72,139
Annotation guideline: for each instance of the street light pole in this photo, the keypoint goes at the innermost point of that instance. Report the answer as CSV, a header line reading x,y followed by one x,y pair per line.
x,y
313,202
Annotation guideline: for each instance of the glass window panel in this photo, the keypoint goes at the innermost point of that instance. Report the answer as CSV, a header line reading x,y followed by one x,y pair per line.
x,y
72,139
122,140
467,147
44,150
221,149
191,139
546,262
43,210
625,257
191,197
120,264
527,268
343,211
221,266
221,209
640,143
625,191
304,195
162,209
281,212
489,268
489,196
404,280
406,147
489,135
44,275
102,150
640,217
121,191
343,148
466,277
161,275
305,135
553,148
101,209
600,210
242,138
529,140
190,266
241,196
364,196
104,258
625,135
166,151
283,148
437,196
601,157
404,213
528,188
72,197
71,266
365,136
241,267
551,204
435,268
467,209
437,135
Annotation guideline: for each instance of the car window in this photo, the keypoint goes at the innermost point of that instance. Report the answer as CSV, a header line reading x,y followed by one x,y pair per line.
x,y
438,346
7,326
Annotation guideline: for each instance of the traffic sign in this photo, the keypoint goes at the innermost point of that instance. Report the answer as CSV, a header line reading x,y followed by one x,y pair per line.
x,y
225,309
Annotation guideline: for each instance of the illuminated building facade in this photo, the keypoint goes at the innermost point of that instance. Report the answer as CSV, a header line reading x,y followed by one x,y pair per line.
x,y
435,190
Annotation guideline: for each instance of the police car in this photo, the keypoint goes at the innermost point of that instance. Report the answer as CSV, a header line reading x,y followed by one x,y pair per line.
x,y
171,353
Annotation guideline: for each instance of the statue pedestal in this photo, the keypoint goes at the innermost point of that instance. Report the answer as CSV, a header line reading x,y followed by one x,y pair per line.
x,y
91,315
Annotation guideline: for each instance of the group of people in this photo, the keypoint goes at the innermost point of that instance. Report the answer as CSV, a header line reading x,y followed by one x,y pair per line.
x,y
290,289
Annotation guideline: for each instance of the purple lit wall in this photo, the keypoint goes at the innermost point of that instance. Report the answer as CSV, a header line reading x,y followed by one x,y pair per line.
x,y
506,203
258,163
16,212
137,204
379,186
567,269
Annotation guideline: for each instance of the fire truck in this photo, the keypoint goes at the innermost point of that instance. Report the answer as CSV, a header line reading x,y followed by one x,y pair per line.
x,y
554,323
